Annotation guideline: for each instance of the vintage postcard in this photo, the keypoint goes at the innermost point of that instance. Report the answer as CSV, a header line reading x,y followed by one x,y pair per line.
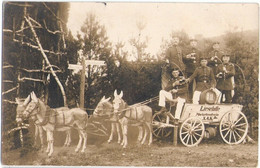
x,y
145,84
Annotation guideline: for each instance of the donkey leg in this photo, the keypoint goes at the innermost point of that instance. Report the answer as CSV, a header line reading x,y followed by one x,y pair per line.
x,y
118,133
69,137
66,140
79,143
150,133
36,133
51,140
48,142
41,135
112,132
125,128
123,139
145,135
140,135
84,134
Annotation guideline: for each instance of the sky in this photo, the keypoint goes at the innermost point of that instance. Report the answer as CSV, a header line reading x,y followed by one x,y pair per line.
x,y
161,19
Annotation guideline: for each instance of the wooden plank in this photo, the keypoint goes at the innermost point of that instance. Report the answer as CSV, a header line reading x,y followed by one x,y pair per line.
x,y
95,62
75,66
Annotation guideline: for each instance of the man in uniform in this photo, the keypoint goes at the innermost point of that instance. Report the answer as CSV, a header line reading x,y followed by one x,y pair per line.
x,y
214,57
174,59
225,72
175,91
205,79
192,61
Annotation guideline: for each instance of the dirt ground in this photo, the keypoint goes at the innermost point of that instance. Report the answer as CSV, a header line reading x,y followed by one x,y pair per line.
x,y
210,153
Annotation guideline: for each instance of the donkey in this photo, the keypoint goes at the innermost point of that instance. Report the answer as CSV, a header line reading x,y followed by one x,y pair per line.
x,y
21,105
52,120
105,110
137,115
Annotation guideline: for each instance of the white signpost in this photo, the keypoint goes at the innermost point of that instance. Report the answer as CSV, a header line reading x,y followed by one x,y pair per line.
x,y
82,80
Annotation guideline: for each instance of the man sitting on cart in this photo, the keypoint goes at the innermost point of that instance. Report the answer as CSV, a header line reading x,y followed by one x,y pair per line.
x,y
205,79
175,91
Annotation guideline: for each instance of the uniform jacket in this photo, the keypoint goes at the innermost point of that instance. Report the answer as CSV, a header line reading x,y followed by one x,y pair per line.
x,y
215,62
204,77
192,64
174,55
182,90
225,82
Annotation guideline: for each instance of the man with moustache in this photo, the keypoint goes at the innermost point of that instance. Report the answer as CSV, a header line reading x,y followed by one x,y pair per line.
x,y
174,60
192,61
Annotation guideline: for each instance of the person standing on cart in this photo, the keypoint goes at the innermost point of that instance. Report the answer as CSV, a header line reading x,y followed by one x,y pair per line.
x,y
192,61
176,91
173,59
204,77
225,72
214,57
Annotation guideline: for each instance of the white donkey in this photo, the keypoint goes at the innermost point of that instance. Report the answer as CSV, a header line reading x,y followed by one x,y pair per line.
x,y
136,115
105,110
21,105
52,120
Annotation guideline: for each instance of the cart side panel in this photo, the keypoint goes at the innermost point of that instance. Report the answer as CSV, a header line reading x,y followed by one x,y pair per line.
x,y
208,113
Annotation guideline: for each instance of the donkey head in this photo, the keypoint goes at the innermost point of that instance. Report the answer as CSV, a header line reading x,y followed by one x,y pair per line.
x,y
31,106
103,106
118,101
21,105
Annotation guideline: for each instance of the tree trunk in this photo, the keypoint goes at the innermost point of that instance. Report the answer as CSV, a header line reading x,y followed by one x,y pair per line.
x,y
47,61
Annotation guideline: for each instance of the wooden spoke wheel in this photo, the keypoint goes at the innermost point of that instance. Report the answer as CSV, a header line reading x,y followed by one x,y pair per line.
x,y
233,127
160,125
192,131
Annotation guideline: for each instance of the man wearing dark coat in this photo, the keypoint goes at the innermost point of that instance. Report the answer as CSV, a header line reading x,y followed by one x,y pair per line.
x,y
225,72
191,61
204,77
176,91
173,58
214,57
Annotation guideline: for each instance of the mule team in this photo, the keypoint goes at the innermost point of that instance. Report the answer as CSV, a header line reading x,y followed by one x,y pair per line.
x,y
63,119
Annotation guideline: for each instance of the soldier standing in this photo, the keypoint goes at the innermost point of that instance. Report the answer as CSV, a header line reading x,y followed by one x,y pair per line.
x,y
173,59
205,79
225,72
214,57
192,61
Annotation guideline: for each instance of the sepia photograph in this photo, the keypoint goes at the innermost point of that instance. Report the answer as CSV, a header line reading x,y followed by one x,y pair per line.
x,y
140,84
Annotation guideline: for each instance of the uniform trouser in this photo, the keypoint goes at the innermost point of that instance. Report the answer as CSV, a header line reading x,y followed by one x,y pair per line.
x,y
228,96
196,96
164,95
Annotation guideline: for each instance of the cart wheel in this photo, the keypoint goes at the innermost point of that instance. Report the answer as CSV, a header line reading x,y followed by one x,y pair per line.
x,y
192,131
233,127
159,129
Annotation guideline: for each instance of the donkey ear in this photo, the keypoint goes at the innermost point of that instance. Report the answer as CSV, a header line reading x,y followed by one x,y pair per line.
x,y
34,98
121,94
26,101
17,101
103,98
106,100
115,93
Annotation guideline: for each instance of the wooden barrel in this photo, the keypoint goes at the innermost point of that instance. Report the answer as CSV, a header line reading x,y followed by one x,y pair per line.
x,y
208,97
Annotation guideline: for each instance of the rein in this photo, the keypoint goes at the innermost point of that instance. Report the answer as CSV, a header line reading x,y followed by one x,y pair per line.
x,y
138,104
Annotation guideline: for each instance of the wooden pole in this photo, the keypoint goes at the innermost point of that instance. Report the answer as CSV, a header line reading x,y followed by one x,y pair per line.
x,y
175,134
82,84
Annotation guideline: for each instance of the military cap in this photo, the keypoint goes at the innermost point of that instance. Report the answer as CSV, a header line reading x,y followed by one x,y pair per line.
x,y
193,39
203,58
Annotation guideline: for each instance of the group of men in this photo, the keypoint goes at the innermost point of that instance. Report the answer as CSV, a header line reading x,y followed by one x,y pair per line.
x,y
191,73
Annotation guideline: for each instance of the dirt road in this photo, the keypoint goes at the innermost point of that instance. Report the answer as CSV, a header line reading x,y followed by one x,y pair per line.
x,y
159,154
